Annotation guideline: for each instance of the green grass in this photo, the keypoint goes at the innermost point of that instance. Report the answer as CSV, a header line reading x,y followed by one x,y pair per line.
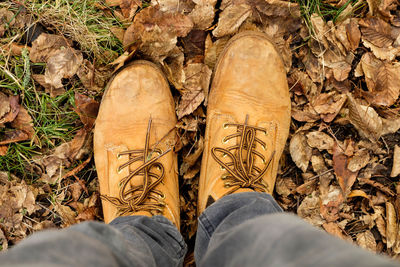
x,y
80,21
327,11
54,120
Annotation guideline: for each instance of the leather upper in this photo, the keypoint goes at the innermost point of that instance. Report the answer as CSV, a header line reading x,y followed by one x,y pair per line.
x,y
136,94
249,79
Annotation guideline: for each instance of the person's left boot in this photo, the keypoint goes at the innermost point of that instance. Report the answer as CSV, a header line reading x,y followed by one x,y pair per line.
x,y
133,139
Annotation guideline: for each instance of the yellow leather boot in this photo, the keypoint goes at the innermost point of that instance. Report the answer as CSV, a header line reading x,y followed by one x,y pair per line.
x,y
133,140
248,120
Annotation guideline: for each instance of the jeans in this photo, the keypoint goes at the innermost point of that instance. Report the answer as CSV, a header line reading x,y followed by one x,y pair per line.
x,y
244,229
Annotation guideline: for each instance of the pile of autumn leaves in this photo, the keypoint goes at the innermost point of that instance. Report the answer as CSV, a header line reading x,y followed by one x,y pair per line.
x,y
344,80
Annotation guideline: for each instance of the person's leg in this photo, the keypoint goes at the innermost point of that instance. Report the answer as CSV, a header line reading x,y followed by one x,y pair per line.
x,y
126,241
250,229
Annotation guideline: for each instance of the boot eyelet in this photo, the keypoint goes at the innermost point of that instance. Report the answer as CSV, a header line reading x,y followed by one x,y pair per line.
x,y
159,152
158,168
224,141
264,147
119,170
263,160
227,185
225,126
224,177
222,168
224,155
162,196
119,156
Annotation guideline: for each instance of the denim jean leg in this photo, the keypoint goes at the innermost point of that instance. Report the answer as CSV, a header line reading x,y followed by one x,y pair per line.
x,y
248,229
231,211
127,241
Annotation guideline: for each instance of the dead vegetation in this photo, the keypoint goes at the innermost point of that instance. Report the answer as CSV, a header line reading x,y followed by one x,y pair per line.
x,y
341,165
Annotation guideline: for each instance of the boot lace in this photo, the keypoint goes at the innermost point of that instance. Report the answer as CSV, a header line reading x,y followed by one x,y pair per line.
x,y
242,171
144,197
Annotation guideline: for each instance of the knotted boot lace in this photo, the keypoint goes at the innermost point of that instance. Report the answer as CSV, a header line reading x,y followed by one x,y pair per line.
x,y
242,171
142,197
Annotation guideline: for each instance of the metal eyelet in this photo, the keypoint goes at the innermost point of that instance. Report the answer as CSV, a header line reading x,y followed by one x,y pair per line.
x,y
263,160
224,141
222,168
162,196
224,177
227,185
158,168
224,155
264,147
225,126
119,170
119,156
159,152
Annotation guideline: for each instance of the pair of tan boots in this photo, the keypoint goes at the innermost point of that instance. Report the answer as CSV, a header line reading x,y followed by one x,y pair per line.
x,y
248,122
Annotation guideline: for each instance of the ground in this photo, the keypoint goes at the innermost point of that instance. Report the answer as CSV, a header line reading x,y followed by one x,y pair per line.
x,y
341,165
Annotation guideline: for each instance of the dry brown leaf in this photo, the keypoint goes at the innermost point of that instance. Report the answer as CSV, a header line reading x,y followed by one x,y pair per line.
x,y
396,162
63,64
189,102
365,119
309,209
353,34
359,160
67,215
203,14
113,2
383,80
94,78
118,32
6,18
300,151
129,7
155,32
331,204
87,109
120,61
231,18
391,225
23,122
285,187
5,106
345,177
320,140
3,150
376,31
334,229
366,240
46,45
328,105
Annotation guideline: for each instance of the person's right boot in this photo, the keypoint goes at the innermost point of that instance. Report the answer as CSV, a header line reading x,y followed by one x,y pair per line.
x,y
248,120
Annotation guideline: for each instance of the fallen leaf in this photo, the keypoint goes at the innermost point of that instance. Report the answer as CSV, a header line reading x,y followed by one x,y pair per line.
x,y
6,18
320,140
23,122
376,31
87,109
353,34
309,209
4,105
365,119
231,18
396,162
203,14
345,177
328,105
118,32
383,80
47,45
129,7
335,230
300,151
189,102
155,32
359,160
366,240
391,225
63,64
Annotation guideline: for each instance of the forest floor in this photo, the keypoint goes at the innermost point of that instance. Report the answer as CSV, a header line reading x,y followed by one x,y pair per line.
x,y
340,168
